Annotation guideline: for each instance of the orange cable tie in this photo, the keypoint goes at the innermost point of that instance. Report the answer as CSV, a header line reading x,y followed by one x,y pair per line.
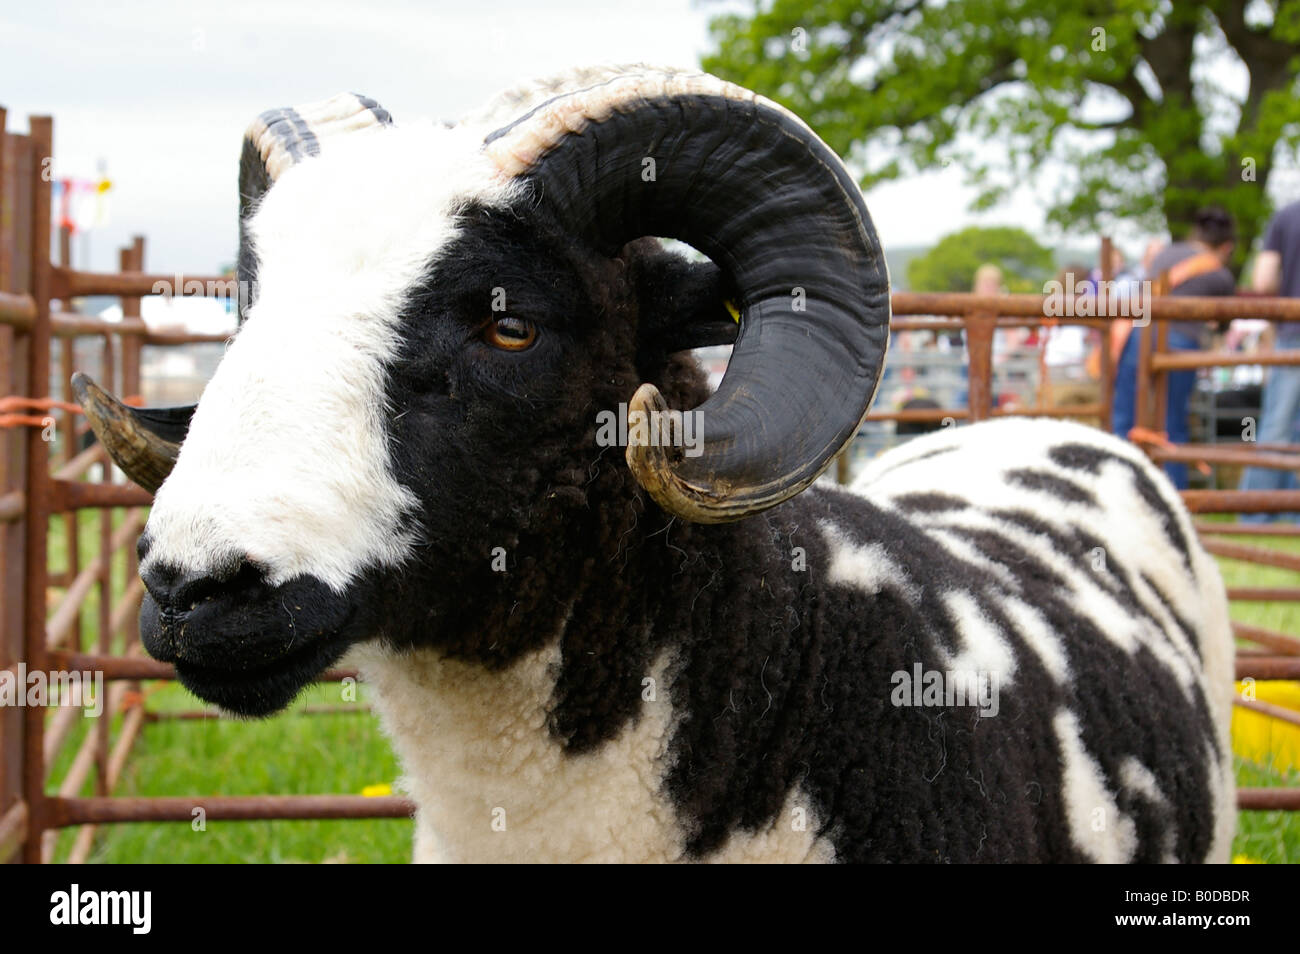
x,y
1160,439
15,402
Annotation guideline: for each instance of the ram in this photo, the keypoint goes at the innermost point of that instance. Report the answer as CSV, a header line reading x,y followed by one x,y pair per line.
x,y
1005,644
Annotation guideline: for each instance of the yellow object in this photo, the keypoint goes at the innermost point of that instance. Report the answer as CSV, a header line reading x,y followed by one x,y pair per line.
x,y
1243,860
374,791
1260,738
732,310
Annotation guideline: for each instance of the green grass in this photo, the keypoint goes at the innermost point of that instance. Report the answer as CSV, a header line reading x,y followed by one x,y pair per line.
x,y
1269,837
302,753
1281,616
1265,836
294,754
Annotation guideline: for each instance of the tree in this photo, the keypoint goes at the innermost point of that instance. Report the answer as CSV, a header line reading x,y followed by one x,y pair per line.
x,y
1116,91
951,264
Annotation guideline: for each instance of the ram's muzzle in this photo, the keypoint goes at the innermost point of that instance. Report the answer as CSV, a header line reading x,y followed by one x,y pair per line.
x,y
239,642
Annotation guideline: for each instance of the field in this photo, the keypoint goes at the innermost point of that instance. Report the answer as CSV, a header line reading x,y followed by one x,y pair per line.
x,y
307,753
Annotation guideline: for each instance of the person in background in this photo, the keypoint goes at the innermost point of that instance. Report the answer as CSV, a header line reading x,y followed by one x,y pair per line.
x,y
913,428
1065,347
1154,248
1127,281
1120,273
1277,272
988,281
1197,267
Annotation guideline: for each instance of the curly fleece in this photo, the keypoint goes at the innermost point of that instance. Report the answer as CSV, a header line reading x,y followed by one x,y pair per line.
x,y
570,674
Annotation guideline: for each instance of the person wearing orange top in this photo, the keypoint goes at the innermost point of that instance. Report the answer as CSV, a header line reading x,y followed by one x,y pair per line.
x,y
1195,268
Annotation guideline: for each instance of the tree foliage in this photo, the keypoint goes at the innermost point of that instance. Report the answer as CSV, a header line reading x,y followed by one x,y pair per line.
x,y
951,264
1118,92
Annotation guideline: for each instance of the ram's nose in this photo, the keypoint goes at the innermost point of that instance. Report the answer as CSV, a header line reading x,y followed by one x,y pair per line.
x,y
175,594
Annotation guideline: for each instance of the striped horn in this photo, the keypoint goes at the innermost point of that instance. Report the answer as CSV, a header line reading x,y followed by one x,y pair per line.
x,y
278,139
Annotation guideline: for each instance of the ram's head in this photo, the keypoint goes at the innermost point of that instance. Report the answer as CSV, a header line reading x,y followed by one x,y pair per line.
x,y
441,314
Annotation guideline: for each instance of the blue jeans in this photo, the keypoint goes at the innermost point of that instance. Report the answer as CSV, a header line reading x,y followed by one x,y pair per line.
x,y
1279,423
1181,383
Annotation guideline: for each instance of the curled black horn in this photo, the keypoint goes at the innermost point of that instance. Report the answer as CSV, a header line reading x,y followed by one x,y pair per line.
x,y
688,156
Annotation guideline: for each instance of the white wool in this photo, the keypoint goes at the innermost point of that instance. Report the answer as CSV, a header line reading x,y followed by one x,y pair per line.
x,y
286,462
492,784
1097,826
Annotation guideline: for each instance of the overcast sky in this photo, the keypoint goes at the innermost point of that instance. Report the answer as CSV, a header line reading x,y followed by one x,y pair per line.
x,y
162,93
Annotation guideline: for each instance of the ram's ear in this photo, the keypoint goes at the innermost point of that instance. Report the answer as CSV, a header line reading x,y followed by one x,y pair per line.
x,y
683,304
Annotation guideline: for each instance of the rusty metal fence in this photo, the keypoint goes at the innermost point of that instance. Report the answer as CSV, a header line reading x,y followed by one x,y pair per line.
x,y
41,614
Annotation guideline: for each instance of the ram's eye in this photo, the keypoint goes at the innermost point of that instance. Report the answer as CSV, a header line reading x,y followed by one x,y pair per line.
x,y
509,333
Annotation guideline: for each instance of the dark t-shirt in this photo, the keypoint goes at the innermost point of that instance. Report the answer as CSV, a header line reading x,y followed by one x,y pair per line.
x,y
1214,284
1283,237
